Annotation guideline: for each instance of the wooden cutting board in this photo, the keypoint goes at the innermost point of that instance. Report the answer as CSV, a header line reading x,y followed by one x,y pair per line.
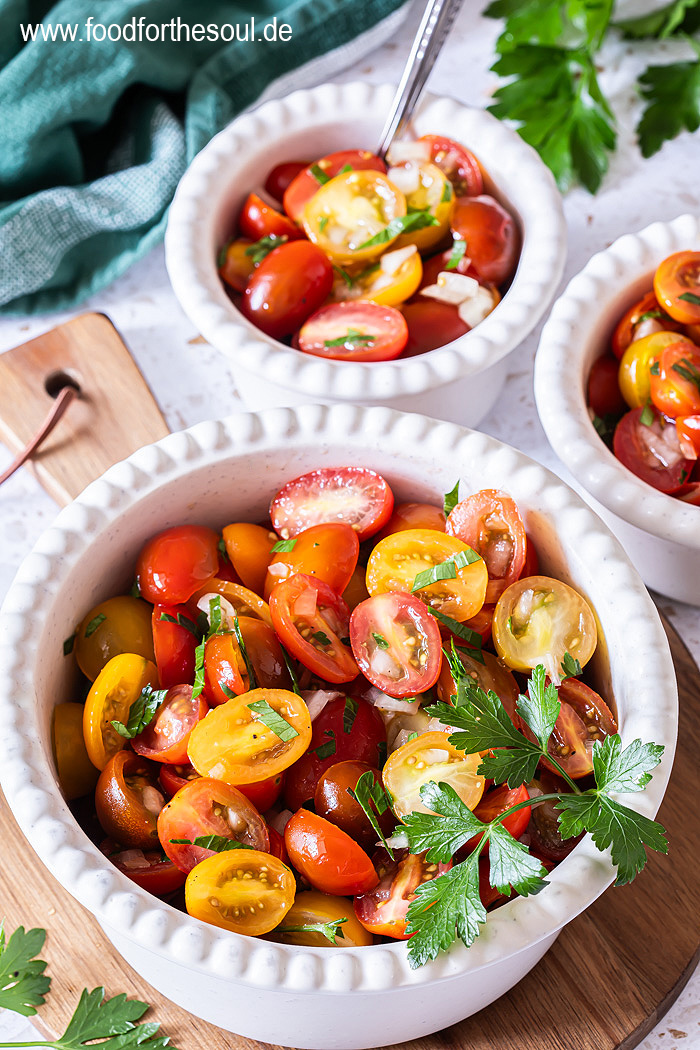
x,y
609,978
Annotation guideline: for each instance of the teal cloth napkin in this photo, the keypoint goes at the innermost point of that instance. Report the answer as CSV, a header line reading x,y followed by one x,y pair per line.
x,y
95,133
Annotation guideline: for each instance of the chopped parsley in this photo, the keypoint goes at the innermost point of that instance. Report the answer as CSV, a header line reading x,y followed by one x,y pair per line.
x,y
283,546
458,252
262,248
352,338
414,220
445,570
94,624
273,720
380,640
451,500
141,712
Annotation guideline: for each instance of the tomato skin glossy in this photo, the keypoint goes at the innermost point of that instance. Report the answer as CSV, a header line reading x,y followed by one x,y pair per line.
x,y
174,645
237,266
355,495
328,858
437,264
382,911
674,392
430,757
166,737
489,522
331,218
329,552
303,187
172,778
431,324
243,600
604,395
584,718
265,654
310,620
264,793
119,625
396,643
287,287
224,669
634,375
627,327
309,907
688,430
491,234
257,219
233,745
334,803
390,283
414,516
460,166
147,869
128,800
175,562
218,892
250,549
356,590
382,328
115,689
678,275
76,773
360,737
281,176
634,444
208,807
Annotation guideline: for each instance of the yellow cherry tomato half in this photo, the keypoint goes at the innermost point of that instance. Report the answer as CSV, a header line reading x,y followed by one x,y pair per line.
x,y
242,890
244,601
430,757
236,744
76,773
312,908
537,620
634,376
388,282
434,193
115,689
350,210
397,559
119,625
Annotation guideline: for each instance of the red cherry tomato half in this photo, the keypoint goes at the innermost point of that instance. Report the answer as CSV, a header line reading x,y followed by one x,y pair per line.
x,y
277,846
288,285
280,177
354,331
414,516
489,522
383,909
224,669
604,395
675,380
583,719
688,430
176,562
174,644
645,312
355,495
328,551
438,264
458,164
496,801
148,870
431,324
166,737
237,266
677,277
302,188
172,778
264,793
326,856
491,234
651,452
396,643
258,219
310,620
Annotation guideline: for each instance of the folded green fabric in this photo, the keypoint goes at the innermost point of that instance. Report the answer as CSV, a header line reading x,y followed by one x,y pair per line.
x,y
96,131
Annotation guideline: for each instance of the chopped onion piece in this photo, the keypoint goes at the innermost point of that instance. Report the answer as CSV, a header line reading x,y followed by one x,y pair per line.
x,y
452,288
382,663
278,569
305,604
383,702
131,858
152,799
436,726
401,151
406,177
399,839
391,262
228,611
317,699
474,310
280,820
648,326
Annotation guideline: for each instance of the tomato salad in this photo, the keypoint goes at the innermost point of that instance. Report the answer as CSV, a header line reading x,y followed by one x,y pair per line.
x,y
354,259
644,395
254,730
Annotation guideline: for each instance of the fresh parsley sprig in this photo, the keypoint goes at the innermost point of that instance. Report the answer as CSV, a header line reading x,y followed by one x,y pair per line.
x,y
23,984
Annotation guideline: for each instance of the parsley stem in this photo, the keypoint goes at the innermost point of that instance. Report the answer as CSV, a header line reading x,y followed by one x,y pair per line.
x,y
572,784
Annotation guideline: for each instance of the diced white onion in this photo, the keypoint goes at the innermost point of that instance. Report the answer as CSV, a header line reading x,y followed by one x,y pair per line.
x,y
399,840
305,604
648,326
406,177
472,311
227,609
336,234
436,726
401,738
152,799
413,150
131,859
383,702
317,699
383,663
278,569
280,820
391,262
452,288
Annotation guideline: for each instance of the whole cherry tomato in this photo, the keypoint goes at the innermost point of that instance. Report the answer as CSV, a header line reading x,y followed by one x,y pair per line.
x,y
175,562
431,324
128,800
119,625
334,802
237,265
257,220
287,287
328,858
493,239
604,395
281,176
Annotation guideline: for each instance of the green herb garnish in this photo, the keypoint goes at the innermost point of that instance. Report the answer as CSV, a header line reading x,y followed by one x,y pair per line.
x,y
217,843
451,500
141,712
374,801
445,570
329,930
69,644
94,624
647,416
322,223
380,640
458,252
414,220
283,546
690,297
328,748
182,621
349,714
319,174
322,638
353,338
262,248
273,720
570,668
472,638
687,370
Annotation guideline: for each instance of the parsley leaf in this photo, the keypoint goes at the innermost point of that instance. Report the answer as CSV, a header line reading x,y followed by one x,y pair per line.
x,y
445,904
679,16
217,843
672,97
141,712
414,220
319,174
330,930
273,720
262,248
452,497
98,1018
458,252
374,801
183,621
445,570
511,865
540,708
380,640
349,713
441,838
23,984
94,624
326,749
570,668
352,338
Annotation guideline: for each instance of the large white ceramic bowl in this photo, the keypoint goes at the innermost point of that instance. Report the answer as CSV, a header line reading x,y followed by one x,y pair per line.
x,y
222,471
459,381
661,534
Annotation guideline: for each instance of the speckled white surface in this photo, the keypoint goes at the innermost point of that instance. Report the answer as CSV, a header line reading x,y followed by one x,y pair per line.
x,y
191,381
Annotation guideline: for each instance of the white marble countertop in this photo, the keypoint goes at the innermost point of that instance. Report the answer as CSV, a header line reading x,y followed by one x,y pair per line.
x,y
192,382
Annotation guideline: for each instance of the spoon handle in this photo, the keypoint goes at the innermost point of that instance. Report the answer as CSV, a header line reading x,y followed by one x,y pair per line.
x,y
436,23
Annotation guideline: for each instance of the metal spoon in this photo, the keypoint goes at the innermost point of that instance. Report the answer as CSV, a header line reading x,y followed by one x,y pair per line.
x,y
436,23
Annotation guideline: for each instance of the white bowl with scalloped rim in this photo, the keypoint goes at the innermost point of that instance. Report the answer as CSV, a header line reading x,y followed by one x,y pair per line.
x,y
459,381
228,470
661,534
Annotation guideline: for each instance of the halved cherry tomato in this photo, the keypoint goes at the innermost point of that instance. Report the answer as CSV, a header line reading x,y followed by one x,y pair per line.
x,y
172,778
433,194
115,689
493,239
281,176
396,561
311,621
459,165
150,870
329,552
634,375
496,801
652,451
347,729
490,675
688,430
250,549
119,625
277,846
265,654
354,331
481,623
643,318
128,800
675,380
430,757
414,516
356,591
538,620
208,807
431,324
288,285
604,395
166,736
303,187
349,216
76,773
396,643
242,890
489,522
244,601
237,264
175,562
264,793
175,639
677,286
334,802
546,842
234,744
583,719
388,282
328,858
382,910
225,672
257,220
313,908
358,496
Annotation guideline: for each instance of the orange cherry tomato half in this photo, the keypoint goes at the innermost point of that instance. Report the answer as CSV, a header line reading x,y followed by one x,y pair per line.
x,y
257,220
243,600
76,773
329,552
458,164
688,430
288,285
355,495
303,187
166,736
115,689
644,318
175,562
312,622
128,800
674,380
234,743
382,910
175,639
242,890
354,331
414,516
491,234
431,324
396,643
312,908
489,522
119,625
225,672
250,549
326,856
237,265
208,807
651,451
677,286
